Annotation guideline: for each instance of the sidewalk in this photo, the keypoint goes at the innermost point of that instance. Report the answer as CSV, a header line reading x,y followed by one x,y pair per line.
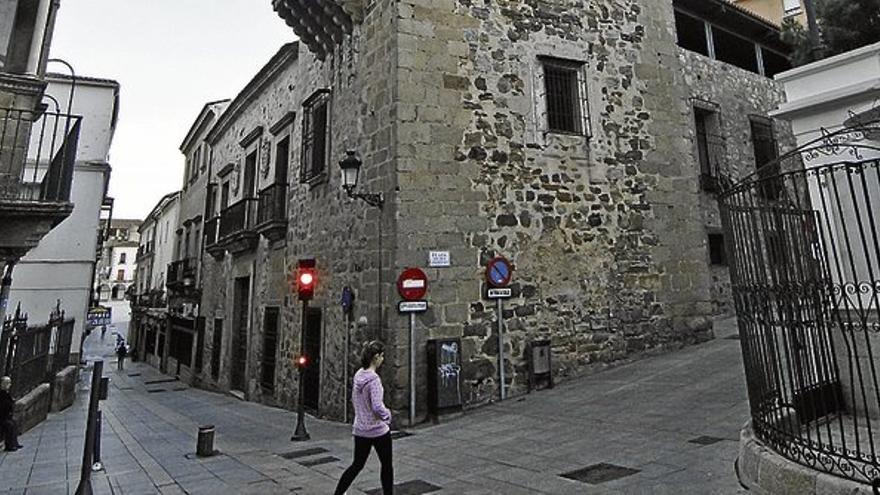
x,y
667,424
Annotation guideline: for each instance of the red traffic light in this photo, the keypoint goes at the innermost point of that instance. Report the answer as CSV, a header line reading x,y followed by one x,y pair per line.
x,y
306,279
302,361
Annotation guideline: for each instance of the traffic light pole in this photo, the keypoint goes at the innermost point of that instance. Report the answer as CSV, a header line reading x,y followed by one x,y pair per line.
x,y
300,434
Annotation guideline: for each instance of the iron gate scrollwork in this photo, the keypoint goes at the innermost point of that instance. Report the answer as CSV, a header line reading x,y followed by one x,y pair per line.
x,y
805,270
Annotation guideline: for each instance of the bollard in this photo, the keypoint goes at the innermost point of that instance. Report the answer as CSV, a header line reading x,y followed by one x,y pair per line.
x,y
205,443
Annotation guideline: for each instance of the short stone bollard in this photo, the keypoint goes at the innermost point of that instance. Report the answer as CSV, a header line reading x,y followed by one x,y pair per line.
x,y
205,443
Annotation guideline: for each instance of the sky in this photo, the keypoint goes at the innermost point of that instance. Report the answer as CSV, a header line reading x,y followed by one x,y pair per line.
x,y
170,58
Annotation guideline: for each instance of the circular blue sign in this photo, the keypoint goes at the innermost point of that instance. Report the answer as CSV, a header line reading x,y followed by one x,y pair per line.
x,y
499,272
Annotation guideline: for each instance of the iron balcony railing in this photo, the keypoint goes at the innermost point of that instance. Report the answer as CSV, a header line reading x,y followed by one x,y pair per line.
x,y
181,270
211,230
37,154
145,249
272,204
238,218
804,255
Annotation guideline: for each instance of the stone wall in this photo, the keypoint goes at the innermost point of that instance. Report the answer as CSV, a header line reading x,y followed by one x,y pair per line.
x,y
735,94
32,409
604,231
64,389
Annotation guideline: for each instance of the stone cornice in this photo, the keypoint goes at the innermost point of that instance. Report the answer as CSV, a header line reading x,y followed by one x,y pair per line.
x,y
320,24
282,123
288,54
23,85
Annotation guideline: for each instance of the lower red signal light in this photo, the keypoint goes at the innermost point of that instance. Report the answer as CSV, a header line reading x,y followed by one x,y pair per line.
x,y
302,361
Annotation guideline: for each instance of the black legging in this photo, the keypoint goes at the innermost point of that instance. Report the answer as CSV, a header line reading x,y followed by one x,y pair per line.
x,y
361,452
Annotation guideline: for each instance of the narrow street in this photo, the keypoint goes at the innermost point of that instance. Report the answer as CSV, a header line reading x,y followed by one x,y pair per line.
x,y
666,424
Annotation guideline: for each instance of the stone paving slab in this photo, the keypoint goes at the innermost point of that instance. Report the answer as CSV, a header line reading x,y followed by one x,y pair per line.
x,y
643,416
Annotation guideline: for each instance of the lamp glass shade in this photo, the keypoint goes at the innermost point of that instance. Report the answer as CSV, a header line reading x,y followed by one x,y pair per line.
x,y
351,167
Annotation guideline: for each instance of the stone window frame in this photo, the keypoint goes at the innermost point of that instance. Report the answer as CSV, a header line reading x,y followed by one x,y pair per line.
x,y
540,94
308,173
281,130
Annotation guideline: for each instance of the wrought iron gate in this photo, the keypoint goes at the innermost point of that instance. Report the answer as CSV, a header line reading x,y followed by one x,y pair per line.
x,y
805,269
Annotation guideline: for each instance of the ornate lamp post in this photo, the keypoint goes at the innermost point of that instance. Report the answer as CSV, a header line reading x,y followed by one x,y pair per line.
x,y
351,168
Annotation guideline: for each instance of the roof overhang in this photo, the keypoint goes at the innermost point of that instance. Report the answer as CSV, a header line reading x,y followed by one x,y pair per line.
x,y
737,20
319,24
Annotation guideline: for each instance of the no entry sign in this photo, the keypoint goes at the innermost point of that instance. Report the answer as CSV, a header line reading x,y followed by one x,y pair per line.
x,y
412,284
499,272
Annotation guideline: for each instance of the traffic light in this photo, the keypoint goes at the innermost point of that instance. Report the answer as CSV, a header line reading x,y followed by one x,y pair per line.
x,y
306,279
302,361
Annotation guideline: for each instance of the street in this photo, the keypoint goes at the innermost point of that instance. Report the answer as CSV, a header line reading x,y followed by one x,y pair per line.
x,y
665,424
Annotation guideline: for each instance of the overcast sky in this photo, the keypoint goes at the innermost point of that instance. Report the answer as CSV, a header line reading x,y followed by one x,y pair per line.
x,y
170,57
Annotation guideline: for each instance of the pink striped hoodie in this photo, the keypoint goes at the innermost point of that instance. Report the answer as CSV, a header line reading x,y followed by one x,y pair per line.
x,y
371,418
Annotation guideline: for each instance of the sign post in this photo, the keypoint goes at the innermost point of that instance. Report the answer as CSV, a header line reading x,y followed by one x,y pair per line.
x,y
412,285
498,274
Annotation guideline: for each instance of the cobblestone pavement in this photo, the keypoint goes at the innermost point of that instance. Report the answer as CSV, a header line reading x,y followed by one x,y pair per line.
x,y
665,424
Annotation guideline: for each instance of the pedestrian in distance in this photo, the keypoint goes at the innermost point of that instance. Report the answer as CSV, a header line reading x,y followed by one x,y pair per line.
x,y
7,424
121,352
372,420
103,331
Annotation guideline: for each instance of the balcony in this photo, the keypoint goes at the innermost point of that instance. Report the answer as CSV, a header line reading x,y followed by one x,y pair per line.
x,y
182,275
37,157
145,250
236,232
272,212
213,248
150,299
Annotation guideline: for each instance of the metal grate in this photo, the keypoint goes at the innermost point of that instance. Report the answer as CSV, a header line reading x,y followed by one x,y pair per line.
x,y
563,96
414,487
317,462
705,440
296,454
600,473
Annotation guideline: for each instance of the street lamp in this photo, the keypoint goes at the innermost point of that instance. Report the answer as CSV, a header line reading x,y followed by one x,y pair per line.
x,y
351,168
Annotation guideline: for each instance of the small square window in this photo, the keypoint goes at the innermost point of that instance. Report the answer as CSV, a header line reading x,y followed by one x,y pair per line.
x,y
565,96
717,256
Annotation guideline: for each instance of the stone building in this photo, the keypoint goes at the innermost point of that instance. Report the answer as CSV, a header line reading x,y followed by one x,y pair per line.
x,y
117,264
582,140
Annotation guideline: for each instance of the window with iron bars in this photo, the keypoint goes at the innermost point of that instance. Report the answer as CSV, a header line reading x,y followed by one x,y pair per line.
x,y
315,137
565,96
766,152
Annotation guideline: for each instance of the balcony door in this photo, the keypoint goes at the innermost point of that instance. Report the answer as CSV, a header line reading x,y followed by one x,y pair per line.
x,y
241,313
250,176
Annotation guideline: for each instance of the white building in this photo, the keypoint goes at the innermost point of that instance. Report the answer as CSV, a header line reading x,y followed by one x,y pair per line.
x,y
157,240
117,266
61,266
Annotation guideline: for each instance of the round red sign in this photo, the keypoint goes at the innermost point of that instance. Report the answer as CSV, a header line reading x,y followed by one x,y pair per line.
x,y
412,284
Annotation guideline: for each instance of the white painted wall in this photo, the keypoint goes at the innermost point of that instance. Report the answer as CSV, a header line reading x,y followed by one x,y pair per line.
x,y
165,240
60,267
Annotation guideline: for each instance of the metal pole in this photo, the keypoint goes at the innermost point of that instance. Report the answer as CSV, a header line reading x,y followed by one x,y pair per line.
x,y
412,369
345,366
300,433
85,478
813,25
96,462
5,287
500,349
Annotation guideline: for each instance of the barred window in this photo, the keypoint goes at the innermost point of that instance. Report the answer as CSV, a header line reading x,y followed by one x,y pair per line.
x,y
316,137
565,96
766,153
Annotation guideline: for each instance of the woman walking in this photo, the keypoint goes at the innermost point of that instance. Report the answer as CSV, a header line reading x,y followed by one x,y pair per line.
x,y
372,420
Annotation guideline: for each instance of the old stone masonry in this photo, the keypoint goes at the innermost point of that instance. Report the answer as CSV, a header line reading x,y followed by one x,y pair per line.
x,y
582,140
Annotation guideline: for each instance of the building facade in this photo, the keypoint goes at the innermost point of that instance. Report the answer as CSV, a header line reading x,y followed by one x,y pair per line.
x,y
62,265
583,141
29,209
776,11
117,265
148,327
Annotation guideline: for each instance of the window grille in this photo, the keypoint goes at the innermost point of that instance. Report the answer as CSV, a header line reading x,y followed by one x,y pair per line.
x,y
564,95
765,148
315,138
